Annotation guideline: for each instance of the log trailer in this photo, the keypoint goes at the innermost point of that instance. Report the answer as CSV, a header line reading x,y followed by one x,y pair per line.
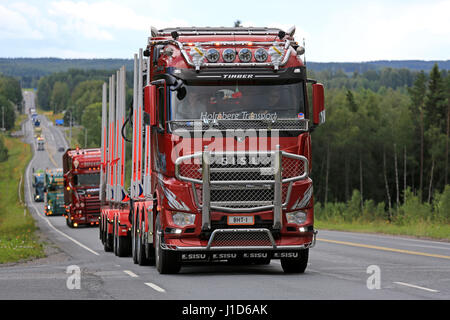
x,y
220,148
81,168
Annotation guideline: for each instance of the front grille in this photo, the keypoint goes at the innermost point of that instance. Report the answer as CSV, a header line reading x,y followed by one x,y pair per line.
x,y
241,238
240,124
92,205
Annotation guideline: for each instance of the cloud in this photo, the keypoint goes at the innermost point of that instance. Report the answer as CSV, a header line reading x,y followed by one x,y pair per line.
x,y
14,25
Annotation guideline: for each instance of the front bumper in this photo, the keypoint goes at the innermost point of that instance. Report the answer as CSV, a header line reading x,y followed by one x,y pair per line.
x,y
241,240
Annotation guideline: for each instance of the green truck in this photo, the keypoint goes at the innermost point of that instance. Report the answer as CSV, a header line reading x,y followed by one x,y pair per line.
x,y
54,192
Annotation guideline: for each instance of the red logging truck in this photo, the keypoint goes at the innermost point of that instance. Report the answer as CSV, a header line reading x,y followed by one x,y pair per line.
x,y
220,147
81,169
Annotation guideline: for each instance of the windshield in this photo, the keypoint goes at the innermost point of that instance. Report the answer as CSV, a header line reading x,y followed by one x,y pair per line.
x,y
265,102
90,179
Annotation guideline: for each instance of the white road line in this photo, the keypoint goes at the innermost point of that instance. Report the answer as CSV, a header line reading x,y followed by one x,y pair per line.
x,y
47,220
155,287
414,286
131,274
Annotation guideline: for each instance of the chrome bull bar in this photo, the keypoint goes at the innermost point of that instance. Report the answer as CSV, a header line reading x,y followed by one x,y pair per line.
x,y
276,181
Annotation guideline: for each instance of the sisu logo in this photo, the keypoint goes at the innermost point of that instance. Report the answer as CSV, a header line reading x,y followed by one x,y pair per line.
x,y
238,76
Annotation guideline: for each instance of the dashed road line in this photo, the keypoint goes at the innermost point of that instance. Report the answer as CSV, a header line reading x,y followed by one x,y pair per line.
x,y
155,287
131,274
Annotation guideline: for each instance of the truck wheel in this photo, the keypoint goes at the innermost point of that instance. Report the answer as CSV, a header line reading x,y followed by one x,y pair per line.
x,y
140,248
115,236
167,261
108,245
100,229
296,265
122,244
134,239
69,222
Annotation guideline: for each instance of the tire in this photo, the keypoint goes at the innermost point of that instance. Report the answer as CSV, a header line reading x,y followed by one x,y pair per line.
x,y
69,222
167,261
134,239
140,248
108,245
296,265
115,236
122,244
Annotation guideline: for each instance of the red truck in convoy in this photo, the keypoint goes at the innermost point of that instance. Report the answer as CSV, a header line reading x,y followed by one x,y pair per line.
x,y
81,168
220,150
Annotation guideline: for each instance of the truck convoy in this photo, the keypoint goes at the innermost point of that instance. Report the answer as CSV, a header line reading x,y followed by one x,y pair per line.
x,y
220,150
54,192
81,169
38,185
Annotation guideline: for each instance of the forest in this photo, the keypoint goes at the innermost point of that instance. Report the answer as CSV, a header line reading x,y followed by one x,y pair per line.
x,y
383,152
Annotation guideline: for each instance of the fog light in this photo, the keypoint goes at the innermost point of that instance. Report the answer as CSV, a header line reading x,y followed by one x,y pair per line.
x,y
298,217
302,229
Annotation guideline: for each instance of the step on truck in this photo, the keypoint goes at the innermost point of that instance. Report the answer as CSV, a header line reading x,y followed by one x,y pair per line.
x,y
54,192
81,172
221,123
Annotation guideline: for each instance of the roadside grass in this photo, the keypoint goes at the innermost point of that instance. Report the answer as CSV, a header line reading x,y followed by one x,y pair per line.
x,y
420,228
76,133
18,240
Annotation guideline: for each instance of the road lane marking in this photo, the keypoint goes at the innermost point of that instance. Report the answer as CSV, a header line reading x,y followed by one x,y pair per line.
x,y
155,287
131,274
47,220
385,248
414,286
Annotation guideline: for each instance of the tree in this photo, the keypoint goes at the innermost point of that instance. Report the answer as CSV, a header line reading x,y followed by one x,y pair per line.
x,y
92,122
10,89
237,23
7,108
417,94
60,97
3,150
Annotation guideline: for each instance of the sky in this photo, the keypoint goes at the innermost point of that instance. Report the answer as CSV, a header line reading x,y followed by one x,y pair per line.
x,y
334,31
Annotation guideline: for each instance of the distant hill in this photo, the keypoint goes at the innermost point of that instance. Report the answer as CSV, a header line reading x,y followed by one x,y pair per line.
x,y
30,70
350,67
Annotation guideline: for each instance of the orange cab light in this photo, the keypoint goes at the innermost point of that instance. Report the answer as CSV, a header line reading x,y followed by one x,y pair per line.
x,y
250,44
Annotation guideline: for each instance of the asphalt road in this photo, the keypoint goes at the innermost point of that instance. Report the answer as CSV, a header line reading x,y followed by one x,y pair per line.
x,y
343,265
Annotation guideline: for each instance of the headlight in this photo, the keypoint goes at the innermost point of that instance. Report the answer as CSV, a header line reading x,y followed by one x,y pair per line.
x,y
298,217
48,207
212,55
245,55
261,55
229,55
82,204
183,219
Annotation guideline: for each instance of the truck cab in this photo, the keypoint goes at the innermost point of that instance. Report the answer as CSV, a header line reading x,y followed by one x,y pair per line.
x,y
81,169
38,185
54,192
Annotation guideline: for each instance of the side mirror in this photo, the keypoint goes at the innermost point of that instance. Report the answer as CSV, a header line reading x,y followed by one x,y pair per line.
x,y
318,104
150,103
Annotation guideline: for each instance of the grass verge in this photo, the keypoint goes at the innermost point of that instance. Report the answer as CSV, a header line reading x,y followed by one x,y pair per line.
x,y
420,228
18,240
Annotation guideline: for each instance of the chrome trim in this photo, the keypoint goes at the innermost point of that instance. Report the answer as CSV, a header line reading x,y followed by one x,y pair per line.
x,y
206,190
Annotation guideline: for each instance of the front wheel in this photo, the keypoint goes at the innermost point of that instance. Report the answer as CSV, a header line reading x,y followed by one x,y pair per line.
x,y
296,265
167,261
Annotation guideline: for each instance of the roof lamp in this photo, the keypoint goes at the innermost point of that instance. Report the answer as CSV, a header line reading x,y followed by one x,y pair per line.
x,y
261,55
212,55
245,55
229,55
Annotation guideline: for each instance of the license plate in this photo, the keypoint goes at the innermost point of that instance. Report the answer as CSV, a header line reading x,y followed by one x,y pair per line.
x,y
241,220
